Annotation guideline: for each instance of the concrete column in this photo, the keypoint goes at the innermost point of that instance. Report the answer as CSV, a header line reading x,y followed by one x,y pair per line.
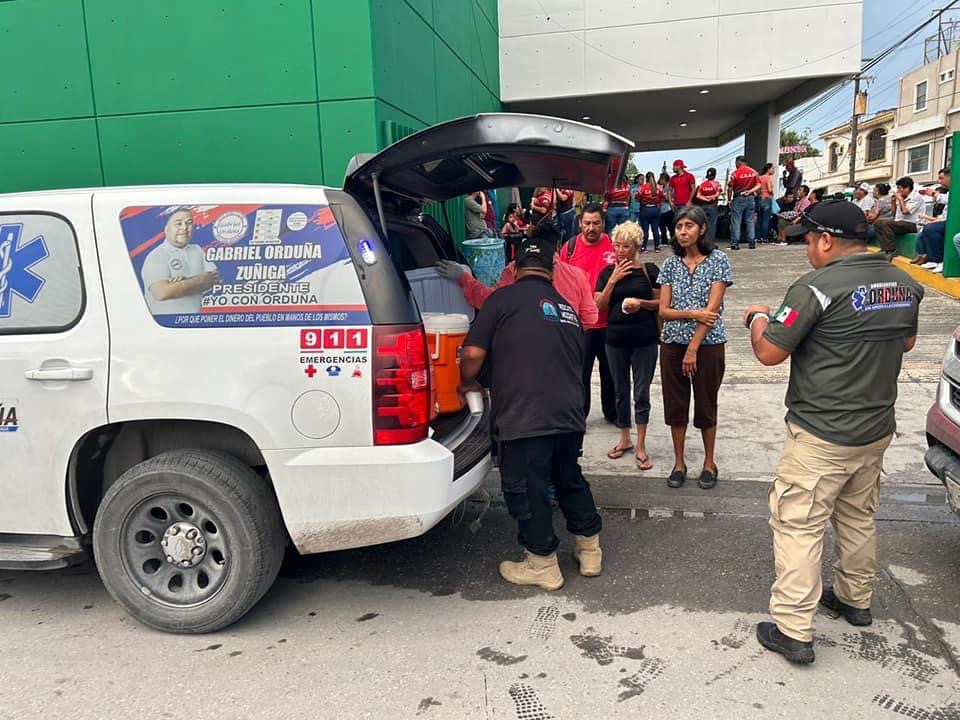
x,y
762,136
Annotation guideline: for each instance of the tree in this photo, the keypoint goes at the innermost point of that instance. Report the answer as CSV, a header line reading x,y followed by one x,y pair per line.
x,y
632,169
790,138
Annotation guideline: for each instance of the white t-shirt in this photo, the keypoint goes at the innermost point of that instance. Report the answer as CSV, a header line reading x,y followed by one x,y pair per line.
x,y
914,203
167,262
866,203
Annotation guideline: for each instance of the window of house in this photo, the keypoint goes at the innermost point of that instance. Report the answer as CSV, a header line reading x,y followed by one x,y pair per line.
x,y
946,76
41,289
920,99
918,160
877,145
834,157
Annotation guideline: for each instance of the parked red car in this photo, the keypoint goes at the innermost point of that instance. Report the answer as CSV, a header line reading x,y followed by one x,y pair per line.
x,y
943,425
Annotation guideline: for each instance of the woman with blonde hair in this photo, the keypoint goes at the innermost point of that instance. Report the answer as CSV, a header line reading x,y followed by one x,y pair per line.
x,y
631,292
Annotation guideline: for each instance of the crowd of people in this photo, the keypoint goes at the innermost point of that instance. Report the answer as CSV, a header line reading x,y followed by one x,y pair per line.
x,y
567,304
756,214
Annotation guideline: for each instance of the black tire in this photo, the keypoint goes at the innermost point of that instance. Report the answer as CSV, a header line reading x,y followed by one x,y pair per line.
x,y
239,535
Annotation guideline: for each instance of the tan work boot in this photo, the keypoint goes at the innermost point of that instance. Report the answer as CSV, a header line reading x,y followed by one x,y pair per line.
x,y
588,554
534,569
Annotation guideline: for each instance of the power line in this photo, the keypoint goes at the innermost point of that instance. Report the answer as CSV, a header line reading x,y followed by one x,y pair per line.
x,y
836,89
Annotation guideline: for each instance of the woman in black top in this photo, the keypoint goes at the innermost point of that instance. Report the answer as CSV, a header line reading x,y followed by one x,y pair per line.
x,y
631,292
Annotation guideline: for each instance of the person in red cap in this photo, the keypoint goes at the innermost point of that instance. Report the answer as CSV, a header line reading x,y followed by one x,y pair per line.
x,y
682,186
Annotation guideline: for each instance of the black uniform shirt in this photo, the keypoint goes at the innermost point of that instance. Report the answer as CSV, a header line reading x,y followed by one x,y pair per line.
x,y
535,345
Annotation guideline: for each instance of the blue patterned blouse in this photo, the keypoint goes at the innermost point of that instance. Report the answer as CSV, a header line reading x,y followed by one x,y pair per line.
x,y
691,291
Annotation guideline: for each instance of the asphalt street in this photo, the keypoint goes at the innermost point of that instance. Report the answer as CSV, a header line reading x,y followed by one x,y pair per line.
x,y
426,628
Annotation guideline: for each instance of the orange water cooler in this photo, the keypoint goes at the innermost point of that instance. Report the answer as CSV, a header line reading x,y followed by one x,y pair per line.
x,y
445,335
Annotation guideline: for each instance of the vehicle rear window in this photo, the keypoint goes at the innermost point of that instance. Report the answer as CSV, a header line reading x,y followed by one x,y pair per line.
x,y
242,265
41,286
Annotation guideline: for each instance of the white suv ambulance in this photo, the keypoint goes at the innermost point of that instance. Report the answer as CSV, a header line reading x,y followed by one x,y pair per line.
x,y
192,377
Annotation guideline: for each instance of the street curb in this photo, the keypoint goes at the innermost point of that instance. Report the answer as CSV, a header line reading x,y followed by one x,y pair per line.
x,y
650,497
948,286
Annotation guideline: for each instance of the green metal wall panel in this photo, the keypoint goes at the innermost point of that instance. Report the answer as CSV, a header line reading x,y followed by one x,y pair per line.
x,y
484,51
454,85
192,54
405,73
424,8
349,127
452,20
489,9
268,144
46,155
344,49
45,71
393,124
232,90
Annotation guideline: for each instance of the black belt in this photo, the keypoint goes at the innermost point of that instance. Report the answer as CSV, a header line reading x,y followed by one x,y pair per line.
x,y
616,204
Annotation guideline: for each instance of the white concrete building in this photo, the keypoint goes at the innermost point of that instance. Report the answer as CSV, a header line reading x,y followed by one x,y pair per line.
x,y
676,74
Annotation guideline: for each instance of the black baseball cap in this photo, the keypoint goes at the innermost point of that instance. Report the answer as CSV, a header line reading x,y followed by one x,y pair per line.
x,y
837,217
535,252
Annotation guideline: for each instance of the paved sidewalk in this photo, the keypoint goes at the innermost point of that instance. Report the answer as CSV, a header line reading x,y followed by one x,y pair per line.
x,y
751,428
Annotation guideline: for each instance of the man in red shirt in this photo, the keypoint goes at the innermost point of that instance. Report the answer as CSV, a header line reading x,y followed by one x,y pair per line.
x,y
571,282
592,251
681,186
744,185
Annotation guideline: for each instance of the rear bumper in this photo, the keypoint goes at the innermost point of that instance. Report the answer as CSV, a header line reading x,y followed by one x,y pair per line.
x,y
941,460
339,498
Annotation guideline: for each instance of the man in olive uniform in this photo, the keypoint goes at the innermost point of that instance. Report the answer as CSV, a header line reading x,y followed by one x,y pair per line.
x,y
845,326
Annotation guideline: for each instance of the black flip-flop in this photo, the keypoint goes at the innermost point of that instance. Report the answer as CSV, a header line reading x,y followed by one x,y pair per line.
x,y
677,478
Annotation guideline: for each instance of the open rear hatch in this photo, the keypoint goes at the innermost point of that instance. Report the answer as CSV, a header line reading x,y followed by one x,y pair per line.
x,y
456,158
488,151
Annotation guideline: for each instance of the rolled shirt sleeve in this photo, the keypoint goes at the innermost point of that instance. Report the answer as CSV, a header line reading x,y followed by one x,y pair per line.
x,y
721,270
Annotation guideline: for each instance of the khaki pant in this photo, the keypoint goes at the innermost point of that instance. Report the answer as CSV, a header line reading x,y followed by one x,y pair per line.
x,y
818,481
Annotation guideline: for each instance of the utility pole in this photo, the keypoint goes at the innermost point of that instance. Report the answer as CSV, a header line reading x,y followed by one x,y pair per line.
x,y
853,131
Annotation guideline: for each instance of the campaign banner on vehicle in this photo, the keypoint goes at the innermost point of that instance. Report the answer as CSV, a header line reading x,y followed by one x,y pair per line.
x,y
243,265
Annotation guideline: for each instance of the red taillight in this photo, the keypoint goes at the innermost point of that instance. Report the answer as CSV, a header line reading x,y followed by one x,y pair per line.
x,y
401,385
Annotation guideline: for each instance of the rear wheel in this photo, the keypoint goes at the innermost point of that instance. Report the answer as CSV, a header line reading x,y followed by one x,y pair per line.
x,y
189,541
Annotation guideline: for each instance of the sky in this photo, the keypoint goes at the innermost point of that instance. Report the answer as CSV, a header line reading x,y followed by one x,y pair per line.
x,y
883,88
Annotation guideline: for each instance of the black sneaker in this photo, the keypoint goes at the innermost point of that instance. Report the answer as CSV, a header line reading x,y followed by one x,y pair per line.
x,y
708,480
752,246
677,478
734,247
854,616
769,635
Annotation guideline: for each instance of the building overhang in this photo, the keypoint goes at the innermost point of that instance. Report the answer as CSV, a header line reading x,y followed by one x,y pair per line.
x,y
661,118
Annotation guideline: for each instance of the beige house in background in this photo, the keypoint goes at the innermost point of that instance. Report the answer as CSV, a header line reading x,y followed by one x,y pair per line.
x,y
874,154
928,113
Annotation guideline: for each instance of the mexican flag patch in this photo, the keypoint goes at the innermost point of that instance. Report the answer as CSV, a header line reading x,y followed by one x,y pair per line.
x,y
786,315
